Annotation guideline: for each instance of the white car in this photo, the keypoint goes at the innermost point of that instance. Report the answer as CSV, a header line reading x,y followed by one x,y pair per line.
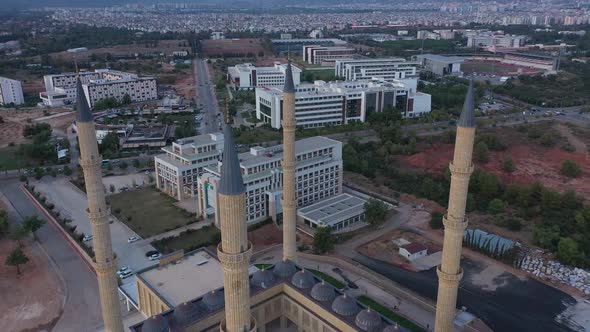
x,y
87,238
126,274
123,270
133,239
155,257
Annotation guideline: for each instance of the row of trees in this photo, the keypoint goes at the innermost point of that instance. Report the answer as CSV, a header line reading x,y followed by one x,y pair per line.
x,y
30,225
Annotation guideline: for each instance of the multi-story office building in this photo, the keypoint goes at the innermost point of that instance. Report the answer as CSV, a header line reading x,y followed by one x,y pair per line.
x,y
97,85
494,39
326,55
11,92
383,68
247,76
178,169
319,176
335,103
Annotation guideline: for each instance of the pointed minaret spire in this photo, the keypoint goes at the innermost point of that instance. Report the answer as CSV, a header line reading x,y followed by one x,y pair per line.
x,y
467,118
231,182
83,110
289,85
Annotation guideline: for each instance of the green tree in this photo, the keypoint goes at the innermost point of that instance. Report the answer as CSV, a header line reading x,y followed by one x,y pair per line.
x,y
481,153
136,163
110,144
570,169
508,165
568,252
323,240
375,212
496,206
4,226
16,258
112,188
436,220
123,165
32,224
67,170
126,100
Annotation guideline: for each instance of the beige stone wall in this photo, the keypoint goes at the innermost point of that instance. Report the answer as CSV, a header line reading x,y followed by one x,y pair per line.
x,y
149,302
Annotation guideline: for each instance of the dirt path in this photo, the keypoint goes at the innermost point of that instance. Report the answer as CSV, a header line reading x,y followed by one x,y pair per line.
x,y
577,143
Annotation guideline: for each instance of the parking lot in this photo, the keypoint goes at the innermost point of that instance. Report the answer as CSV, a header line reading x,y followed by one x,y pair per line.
x,y
72,203
119,182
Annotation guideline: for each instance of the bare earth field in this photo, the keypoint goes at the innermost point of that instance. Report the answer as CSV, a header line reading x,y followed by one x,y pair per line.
x,y
15,120
533,162
232,46
32,301
164,46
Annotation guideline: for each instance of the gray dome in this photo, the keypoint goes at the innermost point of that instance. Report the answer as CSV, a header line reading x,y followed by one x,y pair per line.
x,y
303,279
186,313
345,306
368,320
323,292
213,300
155,324
263,278
284,269
393,328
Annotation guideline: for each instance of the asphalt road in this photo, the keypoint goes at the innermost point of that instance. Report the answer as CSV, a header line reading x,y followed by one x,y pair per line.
x,y
82,307
518,305
206,99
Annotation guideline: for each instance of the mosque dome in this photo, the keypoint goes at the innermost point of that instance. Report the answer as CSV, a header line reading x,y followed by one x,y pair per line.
x,y
263,278
393,328
155,324
213,300
303,279
186,313
323,292
345,305
284,268
368,320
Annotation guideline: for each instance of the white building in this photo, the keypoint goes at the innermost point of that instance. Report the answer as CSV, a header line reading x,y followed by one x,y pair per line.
x,y
384,68
425,34
319,176
439,64
11,92
316,34
412,251
326,55
494,39
217,35
99,84
247,76
341,213
335,103
182,163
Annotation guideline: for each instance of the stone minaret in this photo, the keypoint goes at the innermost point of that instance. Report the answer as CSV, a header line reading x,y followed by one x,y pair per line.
x,y
289,165
450,272
106,262
234,251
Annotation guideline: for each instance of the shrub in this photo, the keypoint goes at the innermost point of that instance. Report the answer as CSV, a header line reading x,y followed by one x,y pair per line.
x,y
117,210
436,221
496,206
23,178
480,152
508,165
570,169
548,140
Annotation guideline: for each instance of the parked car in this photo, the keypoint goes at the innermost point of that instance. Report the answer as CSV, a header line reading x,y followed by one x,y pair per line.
x,y
126,274
147,172
133,239
87,238
155,257
151,252
124,269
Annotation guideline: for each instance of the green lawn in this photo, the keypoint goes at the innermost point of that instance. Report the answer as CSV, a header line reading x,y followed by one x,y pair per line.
x,y
390,314
148,212
263,266
10,160
332,281
491,68
189,240
323,75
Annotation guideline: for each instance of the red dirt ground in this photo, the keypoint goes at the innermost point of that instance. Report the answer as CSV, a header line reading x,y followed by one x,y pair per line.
x,y
232,47
266,236
533,163
32,301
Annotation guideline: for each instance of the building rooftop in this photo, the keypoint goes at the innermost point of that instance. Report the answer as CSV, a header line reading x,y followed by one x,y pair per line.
x,y
414,247
333,210
176,282
441,58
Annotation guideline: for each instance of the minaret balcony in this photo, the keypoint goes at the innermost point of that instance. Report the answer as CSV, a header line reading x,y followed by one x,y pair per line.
x,y
465,171
229,259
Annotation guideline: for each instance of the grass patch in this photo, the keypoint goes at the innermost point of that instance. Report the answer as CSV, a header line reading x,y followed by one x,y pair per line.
x,y
404,322
332,281
9,159
148,212
189,240
263,266
314,75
